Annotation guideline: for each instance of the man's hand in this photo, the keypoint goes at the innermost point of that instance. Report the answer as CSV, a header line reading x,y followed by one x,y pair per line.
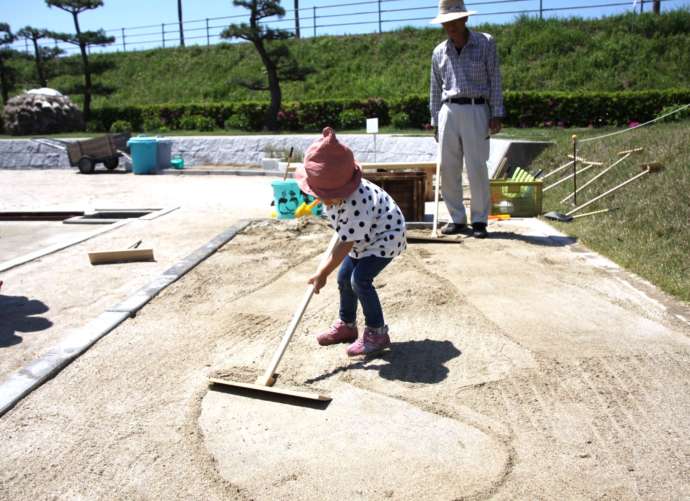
x,y
318,281
495,125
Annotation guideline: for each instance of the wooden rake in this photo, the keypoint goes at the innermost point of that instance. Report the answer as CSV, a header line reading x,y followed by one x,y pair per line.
x,y
264,383
566,218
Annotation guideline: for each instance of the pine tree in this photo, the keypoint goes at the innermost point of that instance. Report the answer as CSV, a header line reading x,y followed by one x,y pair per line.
x,y
179,19
297,35
7,74
41,54
277,60
82,39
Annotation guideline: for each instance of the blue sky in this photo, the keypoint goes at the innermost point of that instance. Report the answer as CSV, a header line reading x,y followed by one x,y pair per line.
x,y
143,18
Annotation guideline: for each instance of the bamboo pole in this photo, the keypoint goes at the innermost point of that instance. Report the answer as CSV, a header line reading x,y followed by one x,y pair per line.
x,y
598,175
557,170
586,204
562,180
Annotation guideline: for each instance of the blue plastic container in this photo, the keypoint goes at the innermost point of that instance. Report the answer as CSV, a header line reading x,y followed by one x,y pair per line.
x,y
164,153
287,197
144,154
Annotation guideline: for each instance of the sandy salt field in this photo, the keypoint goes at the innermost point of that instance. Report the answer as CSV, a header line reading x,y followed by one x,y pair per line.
x,y
522,367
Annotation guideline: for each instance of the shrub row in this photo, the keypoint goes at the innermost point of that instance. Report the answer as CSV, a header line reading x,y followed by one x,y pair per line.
x,y
524,109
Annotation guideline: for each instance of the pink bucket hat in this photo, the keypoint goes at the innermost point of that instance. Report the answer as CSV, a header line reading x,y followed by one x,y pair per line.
x,y
329,169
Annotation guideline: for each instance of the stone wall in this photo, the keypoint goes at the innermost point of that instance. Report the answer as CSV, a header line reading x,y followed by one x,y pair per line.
x,y
219,150
224,150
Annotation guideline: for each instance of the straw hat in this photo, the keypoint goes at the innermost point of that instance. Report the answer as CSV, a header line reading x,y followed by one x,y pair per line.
x,y
450,10
329,169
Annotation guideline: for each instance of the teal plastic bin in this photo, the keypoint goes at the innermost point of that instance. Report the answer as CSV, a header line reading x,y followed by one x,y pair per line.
x,y
144,154
287,197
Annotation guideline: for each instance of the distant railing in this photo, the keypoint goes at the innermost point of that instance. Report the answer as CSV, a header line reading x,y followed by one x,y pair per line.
x,y
371,15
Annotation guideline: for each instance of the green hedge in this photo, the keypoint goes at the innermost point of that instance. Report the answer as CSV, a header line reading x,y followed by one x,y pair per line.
x,y
524,109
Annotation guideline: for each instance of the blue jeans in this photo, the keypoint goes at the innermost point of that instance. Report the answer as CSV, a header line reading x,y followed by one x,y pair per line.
x,y
356,282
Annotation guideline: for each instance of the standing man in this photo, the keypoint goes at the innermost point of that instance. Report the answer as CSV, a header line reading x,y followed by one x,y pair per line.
x,y
466,106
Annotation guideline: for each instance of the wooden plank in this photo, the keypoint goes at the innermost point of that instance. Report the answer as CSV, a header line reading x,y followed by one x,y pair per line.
x,y
123,256
269,389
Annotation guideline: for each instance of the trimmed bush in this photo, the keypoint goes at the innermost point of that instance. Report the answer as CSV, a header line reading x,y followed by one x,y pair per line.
x,y
204,124
678,116
400,120
351,119
524,109
152,124
121,126
237,122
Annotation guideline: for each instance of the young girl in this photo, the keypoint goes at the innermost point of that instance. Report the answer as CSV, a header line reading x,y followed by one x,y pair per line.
x,y
371,230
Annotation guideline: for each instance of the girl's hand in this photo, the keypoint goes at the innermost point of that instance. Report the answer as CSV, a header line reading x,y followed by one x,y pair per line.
x,y
318,281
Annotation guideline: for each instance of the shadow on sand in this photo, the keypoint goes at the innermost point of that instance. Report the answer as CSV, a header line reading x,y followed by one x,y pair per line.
x,y
546,241
408,361
17,314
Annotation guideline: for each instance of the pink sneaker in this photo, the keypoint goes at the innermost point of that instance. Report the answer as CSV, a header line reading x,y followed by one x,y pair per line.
x,y
370,343
339,332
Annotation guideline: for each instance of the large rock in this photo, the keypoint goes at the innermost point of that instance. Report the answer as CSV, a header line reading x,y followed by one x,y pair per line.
x,y
32,113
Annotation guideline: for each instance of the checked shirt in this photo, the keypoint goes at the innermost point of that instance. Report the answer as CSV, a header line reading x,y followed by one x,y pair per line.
x,y
474,72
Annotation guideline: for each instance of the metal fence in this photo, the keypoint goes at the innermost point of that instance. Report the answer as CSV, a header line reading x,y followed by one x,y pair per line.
x,y
355,17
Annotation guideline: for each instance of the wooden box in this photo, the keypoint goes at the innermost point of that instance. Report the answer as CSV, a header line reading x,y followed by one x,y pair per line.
x,y
406,188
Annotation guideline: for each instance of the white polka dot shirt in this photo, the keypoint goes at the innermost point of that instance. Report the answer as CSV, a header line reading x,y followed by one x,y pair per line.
x,y
371,219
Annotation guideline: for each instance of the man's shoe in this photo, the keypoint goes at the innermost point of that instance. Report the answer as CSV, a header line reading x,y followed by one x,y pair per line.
x,y
479,230
339,332
370,343
454,228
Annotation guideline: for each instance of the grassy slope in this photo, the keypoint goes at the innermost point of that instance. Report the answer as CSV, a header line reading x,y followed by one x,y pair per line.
x,y
622,52
649,233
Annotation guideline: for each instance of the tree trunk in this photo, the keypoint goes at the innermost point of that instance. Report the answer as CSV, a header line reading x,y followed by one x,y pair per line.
x,y
39,64
297,18
179,18
273,86
4,83
656,8
87,71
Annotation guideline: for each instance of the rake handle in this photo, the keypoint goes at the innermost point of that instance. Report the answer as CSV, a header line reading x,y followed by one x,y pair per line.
x,y
434,232
267,378
598,175
646,171
287,167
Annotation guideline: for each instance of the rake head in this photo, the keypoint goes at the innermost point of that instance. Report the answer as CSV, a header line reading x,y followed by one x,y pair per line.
x,y
558,216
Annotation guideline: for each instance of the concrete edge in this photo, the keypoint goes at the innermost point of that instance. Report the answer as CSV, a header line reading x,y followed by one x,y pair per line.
x,y
13,263
23,381
137,301
112,225
159,213
221,172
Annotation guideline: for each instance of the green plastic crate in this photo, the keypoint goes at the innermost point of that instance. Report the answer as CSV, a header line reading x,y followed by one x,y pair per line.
x,y
517,198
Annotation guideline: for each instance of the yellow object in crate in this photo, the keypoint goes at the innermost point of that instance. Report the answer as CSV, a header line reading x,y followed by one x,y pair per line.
x,y
517,198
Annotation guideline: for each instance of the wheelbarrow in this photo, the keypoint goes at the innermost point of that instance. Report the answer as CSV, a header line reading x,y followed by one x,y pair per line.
x,y
85,154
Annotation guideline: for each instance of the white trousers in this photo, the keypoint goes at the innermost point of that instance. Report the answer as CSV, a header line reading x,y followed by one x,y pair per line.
x,y
463,131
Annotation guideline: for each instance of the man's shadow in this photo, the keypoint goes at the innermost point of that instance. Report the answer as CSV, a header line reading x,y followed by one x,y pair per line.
x,y
409,361
546,241
17,314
